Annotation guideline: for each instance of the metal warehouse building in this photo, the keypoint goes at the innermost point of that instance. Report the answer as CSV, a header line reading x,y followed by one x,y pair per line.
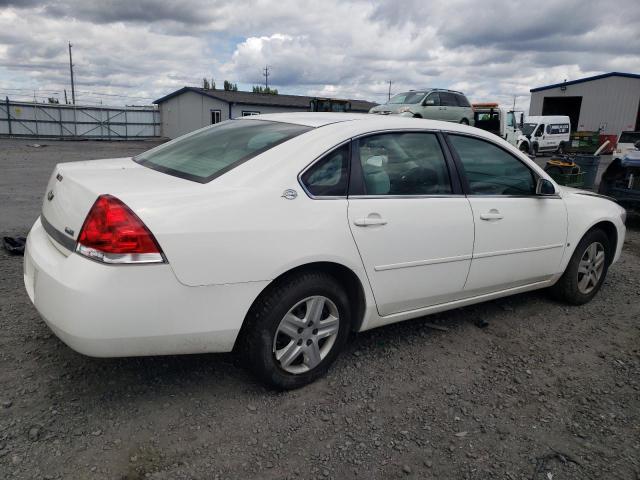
x,y
190,108
609,102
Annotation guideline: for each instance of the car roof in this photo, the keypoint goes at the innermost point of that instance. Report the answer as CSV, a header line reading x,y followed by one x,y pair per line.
x,y
363,121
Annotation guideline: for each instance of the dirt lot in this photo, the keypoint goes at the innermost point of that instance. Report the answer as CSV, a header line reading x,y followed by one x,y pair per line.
x,y
544,392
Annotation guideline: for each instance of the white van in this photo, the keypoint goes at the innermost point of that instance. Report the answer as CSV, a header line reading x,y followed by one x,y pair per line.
x,y
502,121
545,134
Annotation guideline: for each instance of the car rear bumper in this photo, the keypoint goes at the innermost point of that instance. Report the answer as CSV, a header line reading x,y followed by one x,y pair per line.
x,y
130,310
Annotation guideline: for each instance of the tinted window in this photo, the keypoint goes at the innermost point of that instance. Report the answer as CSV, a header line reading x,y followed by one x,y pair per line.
x,y
462,101
209,152
329,176
403,164
448,99
629,137
491,170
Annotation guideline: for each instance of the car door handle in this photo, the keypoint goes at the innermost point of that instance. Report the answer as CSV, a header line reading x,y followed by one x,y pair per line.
x,y
492,214
369,221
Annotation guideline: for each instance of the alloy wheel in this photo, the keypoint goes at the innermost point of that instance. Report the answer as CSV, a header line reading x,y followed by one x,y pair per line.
x,y
591,267
306,334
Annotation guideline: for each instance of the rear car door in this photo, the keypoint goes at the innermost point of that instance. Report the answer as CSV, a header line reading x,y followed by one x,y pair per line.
x,y
449,107
519,236
410,220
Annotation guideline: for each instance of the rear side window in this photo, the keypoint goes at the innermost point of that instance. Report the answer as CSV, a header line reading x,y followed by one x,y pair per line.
x,y
403,164
491,170
557,128
448,99
462,101
210,152
329,176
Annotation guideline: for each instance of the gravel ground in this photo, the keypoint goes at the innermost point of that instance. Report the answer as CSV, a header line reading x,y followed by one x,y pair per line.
x,y
545,391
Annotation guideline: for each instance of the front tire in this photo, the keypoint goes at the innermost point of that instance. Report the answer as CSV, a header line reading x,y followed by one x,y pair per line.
x,y
296,330
586,270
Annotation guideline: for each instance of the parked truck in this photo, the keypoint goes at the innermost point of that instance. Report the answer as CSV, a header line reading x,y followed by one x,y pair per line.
x,y
502,121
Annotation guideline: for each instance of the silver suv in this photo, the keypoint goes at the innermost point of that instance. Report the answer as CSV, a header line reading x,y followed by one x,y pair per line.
x,y
433,103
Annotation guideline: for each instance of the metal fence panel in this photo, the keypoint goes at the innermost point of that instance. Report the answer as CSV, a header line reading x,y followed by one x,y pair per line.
x,y
26,119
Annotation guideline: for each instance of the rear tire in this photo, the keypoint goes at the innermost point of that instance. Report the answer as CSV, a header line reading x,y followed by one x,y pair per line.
x,y
464,121
586,270
524,148
296,330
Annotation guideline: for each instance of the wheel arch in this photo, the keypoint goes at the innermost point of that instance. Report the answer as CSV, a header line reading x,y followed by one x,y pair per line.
x,y
342,274
610,231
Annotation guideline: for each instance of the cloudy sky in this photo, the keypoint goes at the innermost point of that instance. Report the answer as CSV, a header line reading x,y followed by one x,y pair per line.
x,y
143,49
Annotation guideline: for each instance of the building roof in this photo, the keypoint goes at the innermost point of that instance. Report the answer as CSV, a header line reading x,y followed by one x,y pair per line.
x,y
586,79
264,99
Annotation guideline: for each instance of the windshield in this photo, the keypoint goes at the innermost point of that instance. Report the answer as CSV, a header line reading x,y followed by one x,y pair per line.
x,y
629,137
528,128
207,153
407,97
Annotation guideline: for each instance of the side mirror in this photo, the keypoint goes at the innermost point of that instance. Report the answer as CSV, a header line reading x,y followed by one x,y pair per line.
x,y
544,187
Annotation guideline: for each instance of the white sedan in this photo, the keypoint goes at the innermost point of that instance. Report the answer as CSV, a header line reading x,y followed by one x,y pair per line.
x,y
277,235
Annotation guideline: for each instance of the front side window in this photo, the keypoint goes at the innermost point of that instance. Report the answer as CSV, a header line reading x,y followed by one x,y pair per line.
x,y
433,99
528,128
329,176
207,153
406,97
403,164
490,170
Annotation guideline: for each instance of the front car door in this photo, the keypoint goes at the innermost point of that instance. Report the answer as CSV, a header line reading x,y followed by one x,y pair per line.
x,y
410,220
519,237
431,107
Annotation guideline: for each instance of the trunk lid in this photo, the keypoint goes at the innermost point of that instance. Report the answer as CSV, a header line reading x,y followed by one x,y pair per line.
x,y
74,187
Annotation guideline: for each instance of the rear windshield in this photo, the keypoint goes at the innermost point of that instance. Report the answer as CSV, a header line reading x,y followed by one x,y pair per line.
x,y
629,137
206,154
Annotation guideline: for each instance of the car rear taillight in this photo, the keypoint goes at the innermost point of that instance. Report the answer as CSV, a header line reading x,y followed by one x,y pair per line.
x,y
112,233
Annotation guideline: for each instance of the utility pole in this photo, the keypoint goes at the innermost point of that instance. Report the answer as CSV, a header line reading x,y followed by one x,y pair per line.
x,y
266,74
66,102
389,90
73,88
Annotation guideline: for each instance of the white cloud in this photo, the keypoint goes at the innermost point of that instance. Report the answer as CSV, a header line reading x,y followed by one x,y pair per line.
x,y
491,50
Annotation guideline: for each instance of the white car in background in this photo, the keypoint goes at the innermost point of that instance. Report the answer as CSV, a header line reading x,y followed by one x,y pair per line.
x,y
277,235
626,143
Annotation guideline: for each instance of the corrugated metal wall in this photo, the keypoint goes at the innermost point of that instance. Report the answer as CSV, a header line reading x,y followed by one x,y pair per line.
x,y
25,119
189,111
611,103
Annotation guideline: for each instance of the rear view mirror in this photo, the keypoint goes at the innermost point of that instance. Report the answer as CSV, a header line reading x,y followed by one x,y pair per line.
x,y
545,187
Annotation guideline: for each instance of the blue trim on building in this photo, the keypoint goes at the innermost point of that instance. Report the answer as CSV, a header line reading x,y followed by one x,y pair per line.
x,y
586,79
